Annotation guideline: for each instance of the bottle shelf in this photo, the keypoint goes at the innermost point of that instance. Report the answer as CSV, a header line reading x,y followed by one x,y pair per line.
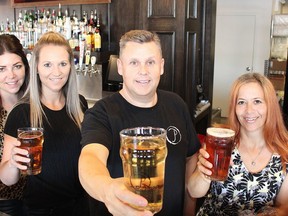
x,y
41,3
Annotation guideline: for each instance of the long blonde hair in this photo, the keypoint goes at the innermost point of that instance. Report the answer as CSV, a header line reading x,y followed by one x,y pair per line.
x,y
274,131
70,89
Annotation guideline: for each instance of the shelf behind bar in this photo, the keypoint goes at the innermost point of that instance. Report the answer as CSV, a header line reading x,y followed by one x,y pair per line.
x,y
41,3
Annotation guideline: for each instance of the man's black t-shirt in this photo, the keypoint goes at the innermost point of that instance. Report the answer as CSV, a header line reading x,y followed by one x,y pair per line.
x,y
103,122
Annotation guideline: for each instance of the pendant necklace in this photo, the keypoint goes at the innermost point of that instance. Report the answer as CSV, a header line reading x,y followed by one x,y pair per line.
x,y
253,163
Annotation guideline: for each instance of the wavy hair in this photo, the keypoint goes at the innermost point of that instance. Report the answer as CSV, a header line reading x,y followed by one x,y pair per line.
x,y
274,131
70,89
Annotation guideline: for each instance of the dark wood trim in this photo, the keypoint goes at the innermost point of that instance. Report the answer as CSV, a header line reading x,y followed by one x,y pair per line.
x,y
285,103
208,45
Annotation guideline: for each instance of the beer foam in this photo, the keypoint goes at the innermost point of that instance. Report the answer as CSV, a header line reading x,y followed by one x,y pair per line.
x,y
220,132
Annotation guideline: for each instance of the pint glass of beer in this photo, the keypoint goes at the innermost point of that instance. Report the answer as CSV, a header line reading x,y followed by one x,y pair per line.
x,y
219,143
143,152
32,140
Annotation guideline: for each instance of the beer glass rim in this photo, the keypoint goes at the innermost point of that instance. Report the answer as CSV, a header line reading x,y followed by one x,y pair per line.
x,y
124,132
30,129
27,129
223,132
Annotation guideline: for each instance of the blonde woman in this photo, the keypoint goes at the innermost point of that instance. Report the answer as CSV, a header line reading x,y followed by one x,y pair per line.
x,y
52,102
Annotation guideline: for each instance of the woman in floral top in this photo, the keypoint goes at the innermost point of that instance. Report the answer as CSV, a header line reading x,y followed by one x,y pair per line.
x,y
258,169
14,77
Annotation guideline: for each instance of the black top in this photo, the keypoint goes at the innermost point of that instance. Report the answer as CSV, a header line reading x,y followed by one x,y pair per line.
x,y
58,183
103,122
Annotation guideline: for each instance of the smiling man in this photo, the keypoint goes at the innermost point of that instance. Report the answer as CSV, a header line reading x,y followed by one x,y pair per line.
x,y
137,104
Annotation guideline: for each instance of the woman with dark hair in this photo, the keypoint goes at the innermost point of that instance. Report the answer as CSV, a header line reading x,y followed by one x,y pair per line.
x,y
257,177
14,78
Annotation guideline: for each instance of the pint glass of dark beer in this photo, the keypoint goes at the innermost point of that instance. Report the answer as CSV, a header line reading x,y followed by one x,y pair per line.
x,y
143,152
31,139
219,143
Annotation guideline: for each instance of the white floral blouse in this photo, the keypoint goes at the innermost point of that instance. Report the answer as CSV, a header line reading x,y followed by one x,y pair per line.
x,y
244,191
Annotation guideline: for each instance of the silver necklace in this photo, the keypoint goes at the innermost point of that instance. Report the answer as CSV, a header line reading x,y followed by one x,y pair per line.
x,y
253,163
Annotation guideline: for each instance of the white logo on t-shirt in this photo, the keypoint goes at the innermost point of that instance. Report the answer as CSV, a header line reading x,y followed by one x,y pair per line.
x,y
173,135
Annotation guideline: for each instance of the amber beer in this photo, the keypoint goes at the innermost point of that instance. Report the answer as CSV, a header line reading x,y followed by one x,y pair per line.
x,y
219,144
32,140
143,152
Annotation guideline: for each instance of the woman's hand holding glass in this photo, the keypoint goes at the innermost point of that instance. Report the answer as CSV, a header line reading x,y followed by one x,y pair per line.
x,y
18,156
204,165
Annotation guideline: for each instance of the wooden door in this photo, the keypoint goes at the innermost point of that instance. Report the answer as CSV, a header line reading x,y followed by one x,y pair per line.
x,y
179,23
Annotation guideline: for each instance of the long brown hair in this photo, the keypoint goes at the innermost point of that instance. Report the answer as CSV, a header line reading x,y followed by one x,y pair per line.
x,y
274,131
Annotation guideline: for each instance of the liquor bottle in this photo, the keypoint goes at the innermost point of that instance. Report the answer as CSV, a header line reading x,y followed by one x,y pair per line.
x,y
53,17
42,16
90,38
26,20
72,41
97,37
91,20
51,20
66,16
36,20
2,27
48,16
31,20
95,17
20,22
76,41
67,27
43,22
59,20
74,18
13,27
36,15
30,38
85,18
8,26
60,12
